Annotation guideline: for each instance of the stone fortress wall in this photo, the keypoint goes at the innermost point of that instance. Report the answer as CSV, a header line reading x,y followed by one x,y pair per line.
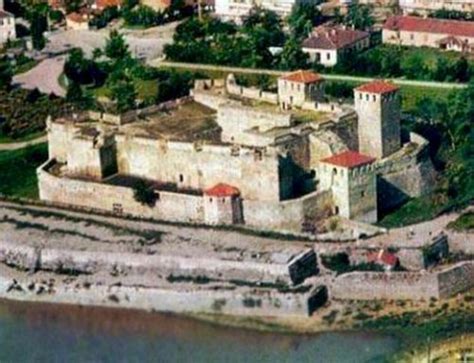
x,y
32,259
258,153
421,285
179,207
408,173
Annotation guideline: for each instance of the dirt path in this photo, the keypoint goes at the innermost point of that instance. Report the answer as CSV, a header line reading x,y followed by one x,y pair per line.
x,y
22,144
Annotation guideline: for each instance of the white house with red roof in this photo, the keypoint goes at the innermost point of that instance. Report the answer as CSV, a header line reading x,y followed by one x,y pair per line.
x,y
294,89
351,178
413,31
326,44
7,26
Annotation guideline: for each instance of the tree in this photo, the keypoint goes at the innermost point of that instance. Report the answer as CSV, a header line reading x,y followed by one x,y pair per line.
x,y
124,95
144,194
461,70
413,66
303,18
5,73
292,57
38,25
74,93
359,17
72,5
116,48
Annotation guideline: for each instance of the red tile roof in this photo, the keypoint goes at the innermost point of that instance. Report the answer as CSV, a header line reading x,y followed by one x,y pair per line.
x,y
440,26
222,190
78,17
302,77
326,37
378,86
349,159
102,4
383,257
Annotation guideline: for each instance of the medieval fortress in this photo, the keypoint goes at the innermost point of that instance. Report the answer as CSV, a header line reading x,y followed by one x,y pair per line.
x,y
228,155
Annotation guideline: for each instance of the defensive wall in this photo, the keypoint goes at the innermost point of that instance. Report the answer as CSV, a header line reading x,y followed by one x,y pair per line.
x,y
177,298
286,215
407,173
32,258
404,285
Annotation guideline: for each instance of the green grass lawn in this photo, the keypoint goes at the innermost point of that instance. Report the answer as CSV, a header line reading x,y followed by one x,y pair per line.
x,y
414,211
412,94
145,89
32,136
25,67
18,171
465,222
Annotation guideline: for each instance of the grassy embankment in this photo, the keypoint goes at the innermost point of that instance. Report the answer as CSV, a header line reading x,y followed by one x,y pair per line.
x,y
18,171
465,222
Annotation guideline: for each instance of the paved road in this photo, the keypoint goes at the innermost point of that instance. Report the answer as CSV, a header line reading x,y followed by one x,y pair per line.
x,y
146,44
44,77
335,77
20,145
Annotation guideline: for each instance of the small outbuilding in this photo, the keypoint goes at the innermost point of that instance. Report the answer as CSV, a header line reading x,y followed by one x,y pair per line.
x,y
222,205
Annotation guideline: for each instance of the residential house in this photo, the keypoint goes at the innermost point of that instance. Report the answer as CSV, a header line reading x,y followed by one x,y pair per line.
x,y
7,26
435,33
427,6
327,44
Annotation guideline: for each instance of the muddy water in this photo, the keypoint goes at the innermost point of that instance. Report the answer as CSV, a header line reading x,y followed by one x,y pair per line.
x,y
57,333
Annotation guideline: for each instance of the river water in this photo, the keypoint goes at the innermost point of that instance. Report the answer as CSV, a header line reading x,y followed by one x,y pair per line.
x,y
58,333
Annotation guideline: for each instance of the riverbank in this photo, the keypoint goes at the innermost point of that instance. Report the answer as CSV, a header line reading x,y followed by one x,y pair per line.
x,y
87,334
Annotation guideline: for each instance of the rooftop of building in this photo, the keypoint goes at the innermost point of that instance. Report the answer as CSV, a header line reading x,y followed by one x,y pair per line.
x,y
378,86
333,37
429,25
190,121
302,76
349,159
102,4
383,257
77,17
5,14
222,190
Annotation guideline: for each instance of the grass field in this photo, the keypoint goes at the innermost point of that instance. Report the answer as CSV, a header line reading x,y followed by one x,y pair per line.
x,y
18,171
145,89
465,222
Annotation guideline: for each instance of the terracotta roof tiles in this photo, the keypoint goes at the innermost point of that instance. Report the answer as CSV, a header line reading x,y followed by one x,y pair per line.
x,y
222,190
440,26
349,159
383,257
378,86
302,76
325,37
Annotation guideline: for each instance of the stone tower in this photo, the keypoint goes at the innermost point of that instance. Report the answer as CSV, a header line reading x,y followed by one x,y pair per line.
x,y
378,109
351,178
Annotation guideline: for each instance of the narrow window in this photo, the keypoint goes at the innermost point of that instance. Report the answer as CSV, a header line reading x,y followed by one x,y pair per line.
x,y
181,178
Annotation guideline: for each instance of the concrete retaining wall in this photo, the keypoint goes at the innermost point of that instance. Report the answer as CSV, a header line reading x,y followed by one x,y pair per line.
x,y
404,285
254,302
